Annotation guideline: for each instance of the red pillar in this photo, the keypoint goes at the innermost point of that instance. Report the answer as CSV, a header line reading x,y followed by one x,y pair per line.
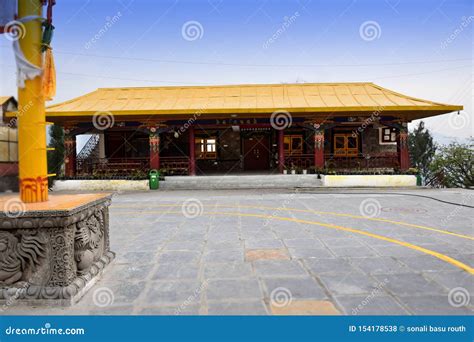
x,y
192,154
70,155
319,149
403,155
281,150
154,150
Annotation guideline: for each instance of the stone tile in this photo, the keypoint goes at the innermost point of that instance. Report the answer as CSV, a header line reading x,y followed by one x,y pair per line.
x,y
239,308
273,268
353,251
176,257
380,304
227,270
297,288
173,291
395,251
427,263
410,284
171,310
349,284
136,258
306,253
266,254
224,255
221,289
305,307
380,265
453,279
184,246
114,293
212,245
329,266
422,304
342,242
263,244
128,272
303,243
176,271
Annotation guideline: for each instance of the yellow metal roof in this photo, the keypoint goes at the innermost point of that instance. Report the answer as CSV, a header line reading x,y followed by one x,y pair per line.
x,y
4,99
255,98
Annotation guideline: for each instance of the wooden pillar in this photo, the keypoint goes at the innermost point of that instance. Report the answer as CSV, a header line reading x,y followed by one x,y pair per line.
x,y
154,149
70,155
402,147
192,154
281,150
319,148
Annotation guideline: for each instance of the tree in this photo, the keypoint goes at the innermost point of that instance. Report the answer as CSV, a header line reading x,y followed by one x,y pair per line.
x,y
56,157
453,166
422,149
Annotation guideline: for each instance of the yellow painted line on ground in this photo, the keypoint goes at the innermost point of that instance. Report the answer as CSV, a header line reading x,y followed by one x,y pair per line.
x,y
400,223
440,256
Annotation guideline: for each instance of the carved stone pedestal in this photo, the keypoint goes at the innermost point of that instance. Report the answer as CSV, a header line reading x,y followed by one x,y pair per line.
x,y
51,253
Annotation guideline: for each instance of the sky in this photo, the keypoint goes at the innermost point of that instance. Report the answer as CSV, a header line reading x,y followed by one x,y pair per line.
x,y
421,48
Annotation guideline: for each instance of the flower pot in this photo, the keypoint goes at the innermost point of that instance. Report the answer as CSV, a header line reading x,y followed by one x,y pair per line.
x,y
285,172
305,172
293,172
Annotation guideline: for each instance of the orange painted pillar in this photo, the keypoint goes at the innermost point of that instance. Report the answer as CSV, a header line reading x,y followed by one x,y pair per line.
x,y
154,149
319,149
192,153
281,150
70,155
403,154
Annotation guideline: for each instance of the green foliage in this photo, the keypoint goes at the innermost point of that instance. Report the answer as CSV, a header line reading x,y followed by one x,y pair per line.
x,y
56,157
422,149
452,166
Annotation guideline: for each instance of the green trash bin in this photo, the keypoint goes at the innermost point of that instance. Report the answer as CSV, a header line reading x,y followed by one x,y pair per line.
x,y
418,180
154,179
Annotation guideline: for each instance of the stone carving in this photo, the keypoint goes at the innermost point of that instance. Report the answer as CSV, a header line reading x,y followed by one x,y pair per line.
x,y
88,242
17,253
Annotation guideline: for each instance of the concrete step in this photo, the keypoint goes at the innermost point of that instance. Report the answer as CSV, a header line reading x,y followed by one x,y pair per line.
x,y
240,182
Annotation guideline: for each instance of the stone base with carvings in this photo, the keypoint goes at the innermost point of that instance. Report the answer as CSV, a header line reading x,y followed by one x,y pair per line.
x,y
51,253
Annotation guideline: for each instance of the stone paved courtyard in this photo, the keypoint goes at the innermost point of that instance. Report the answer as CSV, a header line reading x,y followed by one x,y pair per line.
x,y
286,252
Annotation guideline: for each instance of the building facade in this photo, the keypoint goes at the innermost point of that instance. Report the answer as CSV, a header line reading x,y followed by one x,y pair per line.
x,y
267,128
8,145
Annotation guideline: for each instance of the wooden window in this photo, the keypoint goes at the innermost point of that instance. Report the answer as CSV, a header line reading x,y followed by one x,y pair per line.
x,y
345,144
387,136
205,148
293,144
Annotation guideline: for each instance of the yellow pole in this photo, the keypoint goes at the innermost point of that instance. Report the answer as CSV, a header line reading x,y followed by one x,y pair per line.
x,y
31,119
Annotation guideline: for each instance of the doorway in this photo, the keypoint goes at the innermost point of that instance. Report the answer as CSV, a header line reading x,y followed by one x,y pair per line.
x,y
256,151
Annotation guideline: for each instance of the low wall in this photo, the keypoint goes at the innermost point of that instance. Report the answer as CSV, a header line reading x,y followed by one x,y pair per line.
x,y
101,185
369,180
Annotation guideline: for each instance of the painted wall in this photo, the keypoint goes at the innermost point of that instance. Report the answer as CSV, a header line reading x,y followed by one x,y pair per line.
x,y
369,180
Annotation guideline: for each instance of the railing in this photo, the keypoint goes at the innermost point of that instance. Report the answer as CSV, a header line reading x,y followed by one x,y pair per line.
x,y
112,166
175,165
299,161
361,161
89,147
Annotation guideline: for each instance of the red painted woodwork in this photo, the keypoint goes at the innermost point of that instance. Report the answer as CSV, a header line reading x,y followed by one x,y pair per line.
x,y
154,151
403,150
319,149
256,153
70,156
281,150
192,153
